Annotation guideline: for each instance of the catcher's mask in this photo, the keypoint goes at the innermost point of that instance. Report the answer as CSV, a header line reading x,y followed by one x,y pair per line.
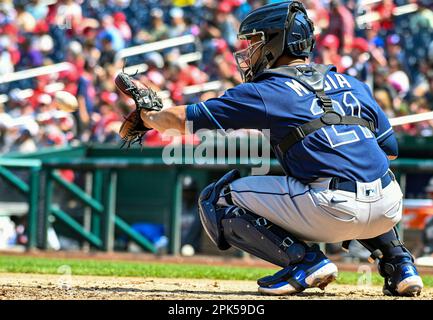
x,y
271,31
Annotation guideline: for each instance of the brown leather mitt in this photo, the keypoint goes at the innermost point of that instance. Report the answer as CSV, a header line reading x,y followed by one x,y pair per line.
x,y
133,129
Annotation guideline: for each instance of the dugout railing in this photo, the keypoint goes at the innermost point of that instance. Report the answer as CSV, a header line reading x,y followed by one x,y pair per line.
x,y
114,177
44,178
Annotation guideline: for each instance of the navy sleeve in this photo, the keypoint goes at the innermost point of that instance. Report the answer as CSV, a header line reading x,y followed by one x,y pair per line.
x,y
200,118
239,108
389,145
383,127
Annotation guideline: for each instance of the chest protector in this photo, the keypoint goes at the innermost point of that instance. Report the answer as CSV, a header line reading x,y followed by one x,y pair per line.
x,y
313,77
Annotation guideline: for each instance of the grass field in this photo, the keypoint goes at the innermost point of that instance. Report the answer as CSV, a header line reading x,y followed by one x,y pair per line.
x,y
89,267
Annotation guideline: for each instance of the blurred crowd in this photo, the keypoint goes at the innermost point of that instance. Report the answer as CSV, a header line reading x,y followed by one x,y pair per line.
x,y
386,43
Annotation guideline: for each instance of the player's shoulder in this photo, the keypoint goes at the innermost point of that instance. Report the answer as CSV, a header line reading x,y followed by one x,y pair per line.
x,y
244,93
243,89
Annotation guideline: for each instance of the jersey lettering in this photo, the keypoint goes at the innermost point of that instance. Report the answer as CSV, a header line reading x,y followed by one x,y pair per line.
x,y
346,151
297,87
338,135
339,82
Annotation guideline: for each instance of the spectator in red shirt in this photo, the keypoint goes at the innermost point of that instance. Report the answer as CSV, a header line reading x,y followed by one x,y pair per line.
x,y
329,51
385,10
225,63
190,75
342,25
121,24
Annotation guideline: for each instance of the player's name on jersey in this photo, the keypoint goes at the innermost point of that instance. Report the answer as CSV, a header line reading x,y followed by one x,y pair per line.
x,y
332,82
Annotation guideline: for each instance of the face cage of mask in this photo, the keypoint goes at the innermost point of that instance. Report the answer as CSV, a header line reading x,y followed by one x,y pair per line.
x,y
244,57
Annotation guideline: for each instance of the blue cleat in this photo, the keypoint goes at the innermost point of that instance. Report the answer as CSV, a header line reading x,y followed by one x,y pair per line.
x,y
315,270
401,278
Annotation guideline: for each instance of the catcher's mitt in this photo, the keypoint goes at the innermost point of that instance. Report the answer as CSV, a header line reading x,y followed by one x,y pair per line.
x,y
133,129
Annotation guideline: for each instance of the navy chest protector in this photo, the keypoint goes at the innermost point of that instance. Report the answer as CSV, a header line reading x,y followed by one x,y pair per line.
x,y
313,78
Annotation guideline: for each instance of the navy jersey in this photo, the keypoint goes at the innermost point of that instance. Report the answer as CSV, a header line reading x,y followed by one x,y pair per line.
x,y
279,102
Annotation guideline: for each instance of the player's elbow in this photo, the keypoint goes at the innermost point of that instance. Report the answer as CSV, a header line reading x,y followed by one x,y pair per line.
x,y
390,147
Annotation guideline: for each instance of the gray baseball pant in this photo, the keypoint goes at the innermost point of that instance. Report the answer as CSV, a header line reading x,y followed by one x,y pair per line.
x,y
313,212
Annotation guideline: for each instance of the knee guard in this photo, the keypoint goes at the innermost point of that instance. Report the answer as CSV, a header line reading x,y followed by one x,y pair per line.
x,y
210,215
234,226
259,237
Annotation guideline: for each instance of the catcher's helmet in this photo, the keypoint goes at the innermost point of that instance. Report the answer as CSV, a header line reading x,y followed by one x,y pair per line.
x,y
284,28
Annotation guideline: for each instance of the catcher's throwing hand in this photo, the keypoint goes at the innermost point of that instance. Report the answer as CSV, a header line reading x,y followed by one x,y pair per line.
x,y
133,129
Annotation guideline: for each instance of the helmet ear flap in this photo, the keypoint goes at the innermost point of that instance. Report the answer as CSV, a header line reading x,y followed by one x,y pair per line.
x,y
274,48
299,33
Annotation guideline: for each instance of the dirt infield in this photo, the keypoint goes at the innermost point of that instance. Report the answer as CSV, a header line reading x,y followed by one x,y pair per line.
x,y
35,287
248,261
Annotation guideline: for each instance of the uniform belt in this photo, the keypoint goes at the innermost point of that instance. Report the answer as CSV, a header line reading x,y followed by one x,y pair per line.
x,y
350,186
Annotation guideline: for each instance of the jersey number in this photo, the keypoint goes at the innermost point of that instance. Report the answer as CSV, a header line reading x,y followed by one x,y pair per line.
x,y
342,135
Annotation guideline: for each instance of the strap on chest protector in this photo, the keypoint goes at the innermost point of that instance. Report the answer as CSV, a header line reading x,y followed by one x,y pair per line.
x,y
313,78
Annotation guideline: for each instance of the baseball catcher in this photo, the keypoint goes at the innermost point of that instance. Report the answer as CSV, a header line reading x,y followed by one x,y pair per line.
x,y
331,138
